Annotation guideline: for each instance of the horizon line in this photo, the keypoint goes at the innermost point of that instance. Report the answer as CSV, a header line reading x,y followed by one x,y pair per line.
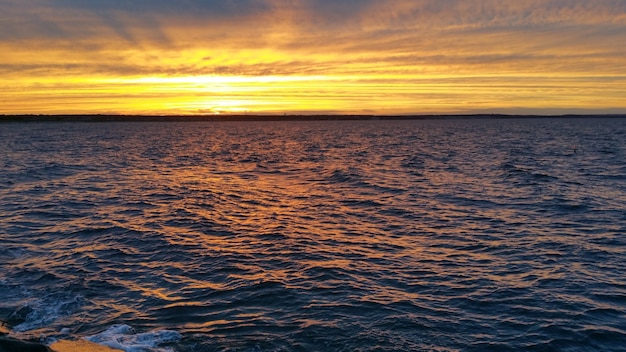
x,y
275,117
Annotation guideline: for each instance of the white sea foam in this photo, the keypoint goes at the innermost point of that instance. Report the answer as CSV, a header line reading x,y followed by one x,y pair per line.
x,y
42,312
125,338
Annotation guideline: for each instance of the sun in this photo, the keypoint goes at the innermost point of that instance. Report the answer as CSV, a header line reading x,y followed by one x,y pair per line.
x,y
219,107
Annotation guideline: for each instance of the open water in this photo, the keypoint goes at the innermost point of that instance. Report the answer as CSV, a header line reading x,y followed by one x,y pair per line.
x,y
430,235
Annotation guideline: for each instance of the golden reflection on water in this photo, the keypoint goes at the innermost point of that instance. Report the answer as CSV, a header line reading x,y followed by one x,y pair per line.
x,y
273,215
270,216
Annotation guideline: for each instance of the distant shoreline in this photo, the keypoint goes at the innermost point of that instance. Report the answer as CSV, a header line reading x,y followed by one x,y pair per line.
x,y
196,118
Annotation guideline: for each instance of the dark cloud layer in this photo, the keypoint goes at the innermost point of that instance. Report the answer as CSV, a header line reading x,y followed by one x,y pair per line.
x,y
321,15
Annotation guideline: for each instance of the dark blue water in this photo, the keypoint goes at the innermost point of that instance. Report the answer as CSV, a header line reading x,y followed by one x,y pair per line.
x,y
454,235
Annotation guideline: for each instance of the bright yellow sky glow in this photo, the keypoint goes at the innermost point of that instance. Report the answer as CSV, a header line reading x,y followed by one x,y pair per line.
x,y
312,56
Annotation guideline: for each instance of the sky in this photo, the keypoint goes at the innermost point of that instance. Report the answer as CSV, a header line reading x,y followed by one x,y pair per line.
x,y
386,57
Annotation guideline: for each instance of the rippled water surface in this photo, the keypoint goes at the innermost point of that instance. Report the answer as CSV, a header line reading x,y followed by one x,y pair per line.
x,y
433,235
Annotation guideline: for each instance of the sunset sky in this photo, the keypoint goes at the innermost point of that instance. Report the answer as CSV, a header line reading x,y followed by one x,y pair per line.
x,y
312,56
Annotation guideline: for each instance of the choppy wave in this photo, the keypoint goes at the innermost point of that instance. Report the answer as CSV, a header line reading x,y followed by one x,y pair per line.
x,y
308,236
125,338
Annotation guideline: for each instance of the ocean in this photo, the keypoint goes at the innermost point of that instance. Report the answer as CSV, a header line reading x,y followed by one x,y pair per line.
x,y
420,235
